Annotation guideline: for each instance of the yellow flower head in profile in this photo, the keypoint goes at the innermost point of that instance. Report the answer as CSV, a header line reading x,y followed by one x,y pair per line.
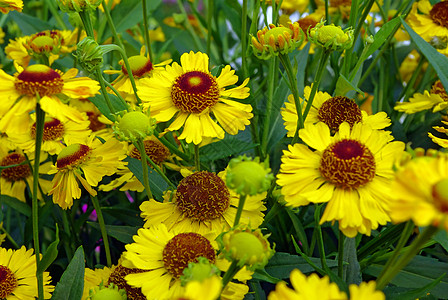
x,y
8,5
86,163
349,171
331,37
435,99
18,275
421,192
274,40
40,83
429,21
192,95
440,141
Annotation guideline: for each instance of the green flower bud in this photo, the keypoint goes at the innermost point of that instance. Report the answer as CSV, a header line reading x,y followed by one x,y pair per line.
x,y
112,292
331,37
133,126
248,177
199,271
78,5
89,54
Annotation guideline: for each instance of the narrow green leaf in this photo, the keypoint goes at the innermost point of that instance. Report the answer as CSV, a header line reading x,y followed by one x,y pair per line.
x,y
263,275
121,233
414,293
222,149
16,204
380,37
343,86
437,60
100,103
442,238
50,255
28,24
71,284
156,182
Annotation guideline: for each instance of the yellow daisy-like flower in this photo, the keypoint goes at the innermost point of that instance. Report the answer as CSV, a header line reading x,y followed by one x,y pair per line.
x,y
191,94
163,255
440,141
8,5
428,20
18,275
86,163
436,99
349,171
313,287
93,278
56,135
141,67
49,43
14,180
208,289
332,111
39,83
420,192
202,203
2,36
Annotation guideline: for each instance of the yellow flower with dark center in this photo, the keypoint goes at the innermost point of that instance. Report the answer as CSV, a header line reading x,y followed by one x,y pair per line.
x,y
420,192
14,180
163,255
85,163
117,277
50,43
191,94
39,83
332,111
349,171
8,5
435,99
428,20
202,203
275,40
314,287
18,275
141,67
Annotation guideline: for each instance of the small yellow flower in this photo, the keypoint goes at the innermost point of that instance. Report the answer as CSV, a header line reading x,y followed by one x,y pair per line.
x,y
331,37
435,99
274,40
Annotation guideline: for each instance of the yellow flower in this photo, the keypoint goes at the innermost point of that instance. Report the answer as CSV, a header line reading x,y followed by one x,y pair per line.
x,y
436,99
365,291
110,4
191,94
14,180
93,278
208,289
202,203
39,83
440,141
331,37
420,192
332,111
2,36
8,5
18,273
291,6
349,171
428,20
84,163
141,67
163,255
50,43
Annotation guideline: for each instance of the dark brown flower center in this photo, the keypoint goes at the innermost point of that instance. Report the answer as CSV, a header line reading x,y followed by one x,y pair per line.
x,y
437,88
202,196
194,91
72,155
95,124
140,65
15,173
39,79
306,23
8,282
439,13
185,248
117,277
155,150
348,164
337,3
53,130
337,110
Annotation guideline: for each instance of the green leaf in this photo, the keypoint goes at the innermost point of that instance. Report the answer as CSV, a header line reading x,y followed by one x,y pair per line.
x,y
442,238
264,276
71,284
121,233
222,149
419,272
50,255
397,293
28,24
380,37
127,216
16,204
156,182
437,60
343,86
100,103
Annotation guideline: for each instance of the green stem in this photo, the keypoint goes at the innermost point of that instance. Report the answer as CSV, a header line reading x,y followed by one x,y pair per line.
x,y
270,97
55,14
197,161
141,148
99,214
40,122
244,38
413,250
210,9
66,226
188,26
9,237
104,90
159,171
233,269
320,240
239,210
284,59
341,254
125,104
146,35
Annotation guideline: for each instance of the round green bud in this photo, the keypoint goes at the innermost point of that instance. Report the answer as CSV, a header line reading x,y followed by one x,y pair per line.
x,y
134,125
199,271
111,292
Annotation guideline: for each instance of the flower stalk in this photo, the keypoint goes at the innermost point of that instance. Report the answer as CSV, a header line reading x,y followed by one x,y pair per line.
x,y
103,230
